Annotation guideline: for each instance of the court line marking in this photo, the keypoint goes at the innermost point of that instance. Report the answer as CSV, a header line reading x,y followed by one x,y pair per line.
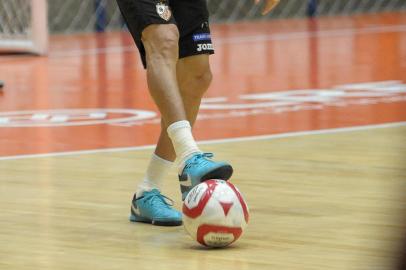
x,y
218,141
251,38
317,33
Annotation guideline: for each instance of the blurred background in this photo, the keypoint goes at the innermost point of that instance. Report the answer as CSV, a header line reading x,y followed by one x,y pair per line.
x,y
103,15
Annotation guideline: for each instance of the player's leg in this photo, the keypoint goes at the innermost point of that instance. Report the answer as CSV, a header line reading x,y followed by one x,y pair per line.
x,y
159,45
162,52
149,205
194,77
195,46
176,139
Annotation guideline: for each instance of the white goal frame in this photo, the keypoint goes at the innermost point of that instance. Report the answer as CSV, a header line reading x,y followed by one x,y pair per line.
x,y
36,42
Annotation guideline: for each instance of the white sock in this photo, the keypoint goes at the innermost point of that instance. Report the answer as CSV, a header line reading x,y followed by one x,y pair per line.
x,y
182,139
157,170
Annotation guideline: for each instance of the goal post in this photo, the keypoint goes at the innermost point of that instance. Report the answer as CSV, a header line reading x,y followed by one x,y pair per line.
x,y
24,26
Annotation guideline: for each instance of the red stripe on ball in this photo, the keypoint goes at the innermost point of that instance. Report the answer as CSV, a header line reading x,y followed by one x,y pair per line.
x,y
242,202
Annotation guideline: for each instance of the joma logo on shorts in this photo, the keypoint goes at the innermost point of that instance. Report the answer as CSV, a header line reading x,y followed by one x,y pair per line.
x,y
205,47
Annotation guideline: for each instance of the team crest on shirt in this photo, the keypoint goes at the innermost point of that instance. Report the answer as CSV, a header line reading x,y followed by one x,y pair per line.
x,y
163,11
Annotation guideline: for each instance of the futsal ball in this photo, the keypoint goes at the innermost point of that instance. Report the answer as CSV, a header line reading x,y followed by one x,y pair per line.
x,y
215,213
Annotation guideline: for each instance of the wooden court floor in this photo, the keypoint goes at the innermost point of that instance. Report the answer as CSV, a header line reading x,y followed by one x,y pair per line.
x,y
322,201
312,115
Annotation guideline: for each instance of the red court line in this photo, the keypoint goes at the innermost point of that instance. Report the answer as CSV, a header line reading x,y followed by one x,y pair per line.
x,y
116,79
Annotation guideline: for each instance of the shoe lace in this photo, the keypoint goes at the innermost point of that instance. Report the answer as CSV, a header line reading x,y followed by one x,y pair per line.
x,y
198,159
157,199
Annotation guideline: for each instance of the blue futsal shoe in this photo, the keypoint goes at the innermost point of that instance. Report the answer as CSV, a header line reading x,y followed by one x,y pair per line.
x,y
200,168
153,207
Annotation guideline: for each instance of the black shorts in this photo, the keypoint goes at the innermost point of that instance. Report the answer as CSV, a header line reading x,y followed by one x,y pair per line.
x,y
190,16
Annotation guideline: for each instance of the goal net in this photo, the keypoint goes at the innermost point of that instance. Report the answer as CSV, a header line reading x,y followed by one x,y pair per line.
x,y
23,26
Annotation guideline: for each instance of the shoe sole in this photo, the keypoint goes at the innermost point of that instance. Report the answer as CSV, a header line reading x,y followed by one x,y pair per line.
x,y
224,172
134,218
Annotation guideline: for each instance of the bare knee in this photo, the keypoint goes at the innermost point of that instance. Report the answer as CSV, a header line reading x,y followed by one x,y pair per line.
x,y
161,43
195,78
204,77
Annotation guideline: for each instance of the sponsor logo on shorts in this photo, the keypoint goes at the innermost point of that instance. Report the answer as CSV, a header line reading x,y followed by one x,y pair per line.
x,y
205,47
163,11
201,37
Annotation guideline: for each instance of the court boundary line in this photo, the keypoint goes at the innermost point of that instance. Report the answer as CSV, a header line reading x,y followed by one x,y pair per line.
x,y
215,141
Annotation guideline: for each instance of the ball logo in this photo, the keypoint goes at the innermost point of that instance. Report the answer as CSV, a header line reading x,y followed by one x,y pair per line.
x,y
217,240
195,196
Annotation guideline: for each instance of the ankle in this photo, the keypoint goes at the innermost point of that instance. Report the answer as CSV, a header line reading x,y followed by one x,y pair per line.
x,y
157,170
182,139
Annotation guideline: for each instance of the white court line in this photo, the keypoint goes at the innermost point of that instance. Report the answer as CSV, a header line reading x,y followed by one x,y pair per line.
x,y
240,139
252,38
320,33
